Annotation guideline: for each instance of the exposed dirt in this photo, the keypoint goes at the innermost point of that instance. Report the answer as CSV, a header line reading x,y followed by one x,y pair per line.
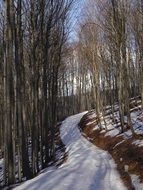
x,y
125,154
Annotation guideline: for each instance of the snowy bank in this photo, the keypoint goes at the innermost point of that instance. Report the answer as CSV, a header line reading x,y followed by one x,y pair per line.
x,y
87,167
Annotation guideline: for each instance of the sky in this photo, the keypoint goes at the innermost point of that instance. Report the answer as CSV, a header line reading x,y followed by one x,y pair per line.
x,y
75,17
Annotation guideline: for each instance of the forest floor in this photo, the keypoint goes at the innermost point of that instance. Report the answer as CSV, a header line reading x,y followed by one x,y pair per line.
x,y
126,149
60,157
87,167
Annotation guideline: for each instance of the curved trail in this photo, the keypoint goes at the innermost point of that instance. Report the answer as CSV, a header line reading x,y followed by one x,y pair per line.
x,y
87,167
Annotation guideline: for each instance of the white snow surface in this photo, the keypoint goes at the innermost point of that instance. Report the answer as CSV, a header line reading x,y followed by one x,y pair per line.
x,y
87,167
136,182
138,142
1,171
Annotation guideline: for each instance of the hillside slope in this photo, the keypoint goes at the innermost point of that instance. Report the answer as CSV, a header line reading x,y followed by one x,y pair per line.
x,y
87,167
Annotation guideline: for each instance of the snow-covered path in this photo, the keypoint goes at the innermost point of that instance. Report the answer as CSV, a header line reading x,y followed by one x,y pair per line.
x,y
87,167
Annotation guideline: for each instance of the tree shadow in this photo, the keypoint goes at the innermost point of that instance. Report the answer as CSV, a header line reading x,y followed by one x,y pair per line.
x,y
87,167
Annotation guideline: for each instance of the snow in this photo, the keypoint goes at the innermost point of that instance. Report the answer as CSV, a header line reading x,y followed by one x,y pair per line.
x,y
91,122
1,171
114,129
138,143
127,134
95,128
112,133
121,159
126,167
118,144
87,167
92,116
136,182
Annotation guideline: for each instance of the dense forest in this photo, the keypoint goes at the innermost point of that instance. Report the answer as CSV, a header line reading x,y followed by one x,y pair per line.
x,y
45,77
33,37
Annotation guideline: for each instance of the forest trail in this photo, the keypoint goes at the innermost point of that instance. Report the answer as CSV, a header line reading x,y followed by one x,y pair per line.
x,y
87,167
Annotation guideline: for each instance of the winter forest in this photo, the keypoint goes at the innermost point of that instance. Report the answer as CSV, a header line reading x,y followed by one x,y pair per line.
x,y
59,58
